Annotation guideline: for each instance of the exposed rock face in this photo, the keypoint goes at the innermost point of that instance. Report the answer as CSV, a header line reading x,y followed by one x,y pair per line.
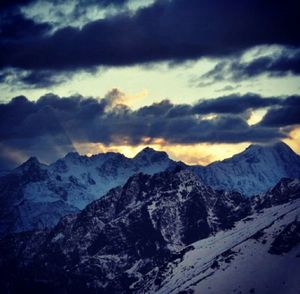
x,y
127,241
285,191
287,239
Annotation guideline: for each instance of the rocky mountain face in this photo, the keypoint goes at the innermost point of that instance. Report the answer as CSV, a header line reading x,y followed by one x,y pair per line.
x,y
36,196
253,171
136,238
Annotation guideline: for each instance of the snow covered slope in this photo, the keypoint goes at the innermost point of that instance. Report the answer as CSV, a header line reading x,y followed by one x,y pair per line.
x,y
246,259
166,233
253,171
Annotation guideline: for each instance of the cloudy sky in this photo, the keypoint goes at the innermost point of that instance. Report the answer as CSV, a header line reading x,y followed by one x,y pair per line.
x,y
199,79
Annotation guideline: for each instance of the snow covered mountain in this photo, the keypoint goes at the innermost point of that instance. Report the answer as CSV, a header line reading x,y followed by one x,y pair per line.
x,y
166,233
253,171
36,196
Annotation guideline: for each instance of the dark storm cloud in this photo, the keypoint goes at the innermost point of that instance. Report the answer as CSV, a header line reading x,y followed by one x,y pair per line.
x,y
231,104
234,104
5,4
286,63
41,79
167,30
52,123
286,115
156,109
14,26
20,79
97,120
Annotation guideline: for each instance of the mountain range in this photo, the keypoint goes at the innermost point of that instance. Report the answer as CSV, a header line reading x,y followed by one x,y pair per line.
x,y
163,233
36,196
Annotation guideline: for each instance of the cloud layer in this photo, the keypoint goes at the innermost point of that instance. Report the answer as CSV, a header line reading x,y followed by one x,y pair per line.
x,y
167,30
276,65
51,124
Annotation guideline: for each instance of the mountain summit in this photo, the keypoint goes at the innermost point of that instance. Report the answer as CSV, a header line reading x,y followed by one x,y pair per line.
x,y
252,171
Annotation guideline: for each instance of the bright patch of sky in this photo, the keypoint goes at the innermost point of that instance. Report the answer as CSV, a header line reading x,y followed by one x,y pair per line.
x,y
181,83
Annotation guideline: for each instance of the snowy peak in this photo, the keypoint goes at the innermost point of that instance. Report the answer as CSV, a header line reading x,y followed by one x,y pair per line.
x,y
252,171
149,155
31,171
31,162
72,156
256,151
147,151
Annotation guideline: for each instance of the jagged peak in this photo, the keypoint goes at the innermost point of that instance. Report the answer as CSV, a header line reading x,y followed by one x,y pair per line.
x,y
30,164
72,155
149,152
258,148
179,172
106,154
31,161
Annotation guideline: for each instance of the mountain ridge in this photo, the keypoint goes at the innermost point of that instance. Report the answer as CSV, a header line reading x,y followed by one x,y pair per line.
x,y
36,196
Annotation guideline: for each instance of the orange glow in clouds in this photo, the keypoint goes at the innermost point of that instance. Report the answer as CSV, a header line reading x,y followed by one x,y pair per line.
x,y
294,140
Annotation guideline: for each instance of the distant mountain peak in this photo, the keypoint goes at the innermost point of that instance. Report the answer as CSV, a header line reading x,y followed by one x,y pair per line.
x,y
253,171
32,159
278,144
72,155
32,170
259,148
30,162
147,150
151,154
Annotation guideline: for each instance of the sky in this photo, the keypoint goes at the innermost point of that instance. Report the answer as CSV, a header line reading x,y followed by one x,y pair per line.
x,y
199,79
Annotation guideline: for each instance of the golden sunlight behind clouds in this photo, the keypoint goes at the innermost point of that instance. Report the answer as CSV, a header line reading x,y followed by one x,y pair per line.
x,y
294,140
191,154
256,116
117,97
